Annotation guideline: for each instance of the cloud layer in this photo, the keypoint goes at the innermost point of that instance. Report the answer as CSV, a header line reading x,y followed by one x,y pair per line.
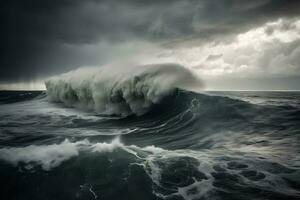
x,y
42,38
272,49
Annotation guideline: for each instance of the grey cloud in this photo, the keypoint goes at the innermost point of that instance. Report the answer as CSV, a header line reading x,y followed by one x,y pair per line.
x,y
212,57
281,59
284,26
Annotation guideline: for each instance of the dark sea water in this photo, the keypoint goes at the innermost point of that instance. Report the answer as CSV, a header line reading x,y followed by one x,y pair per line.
x,y
213,145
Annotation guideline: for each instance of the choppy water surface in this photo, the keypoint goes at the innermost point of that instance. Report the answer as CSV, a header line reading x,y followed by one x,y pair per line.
x,y
213,145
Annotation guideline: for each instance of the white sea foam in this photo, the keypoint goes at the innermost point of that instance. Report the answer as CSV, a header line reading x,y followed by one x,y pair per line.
x,y
47,156
107,147
155,161
129,89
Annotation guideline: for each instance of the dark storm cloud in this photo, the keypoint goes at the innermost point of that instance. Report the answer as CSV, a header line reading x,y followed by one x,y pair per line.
x,y
39,38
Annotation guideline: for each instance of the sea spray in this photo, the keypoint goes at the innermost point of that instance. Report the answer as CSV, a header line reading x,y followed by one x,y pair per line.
x,y
132,89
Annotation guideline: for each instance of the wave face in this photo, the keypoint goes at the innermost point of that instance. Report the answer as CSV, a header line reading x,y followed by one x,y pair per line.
x,y
186,145
131,90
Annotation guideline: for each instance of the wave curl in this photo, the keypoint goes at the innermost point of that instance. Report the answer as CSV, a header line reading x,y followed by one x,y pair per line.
x,y
123,91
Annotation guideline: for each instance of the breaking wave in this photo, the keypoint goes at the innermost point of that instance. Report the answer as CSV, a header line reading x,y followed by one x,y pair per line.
x,y
171,174
110,90
188,146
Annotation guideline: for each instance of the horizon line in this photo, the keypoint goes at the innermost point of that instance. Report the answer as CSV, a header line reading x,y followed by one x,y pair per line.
x,y
210,90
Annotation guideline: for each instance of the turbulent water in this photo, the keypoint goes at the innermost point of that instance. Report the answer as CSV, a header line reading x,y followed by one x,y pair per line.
x,y
184,145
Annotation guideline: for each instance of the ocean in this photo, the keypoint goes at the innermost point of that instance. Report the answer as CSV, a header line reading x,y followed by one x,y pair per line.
x,y
206,145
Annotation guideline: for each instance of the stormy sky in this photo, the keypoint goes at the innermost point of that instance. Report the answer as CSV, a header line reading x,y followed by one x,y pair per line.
x,y
231,44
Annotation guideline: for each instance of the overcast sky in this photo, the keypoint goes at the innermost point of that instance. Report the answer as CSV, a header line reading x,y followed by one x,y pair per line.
x,y
231,44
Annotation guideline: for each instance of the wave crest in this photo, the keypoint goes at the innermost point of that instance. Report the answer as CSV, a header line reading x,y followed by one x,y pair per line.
x,y
123,91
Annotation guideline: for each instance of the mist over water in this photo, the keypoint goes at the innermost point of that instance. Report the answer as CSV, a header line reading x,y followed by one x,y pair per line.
x,y
133,89
142,133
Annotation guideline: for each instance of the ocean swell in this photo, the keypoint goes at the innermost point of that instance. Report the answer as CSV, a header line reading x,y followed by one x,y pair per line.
x,y
131,89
